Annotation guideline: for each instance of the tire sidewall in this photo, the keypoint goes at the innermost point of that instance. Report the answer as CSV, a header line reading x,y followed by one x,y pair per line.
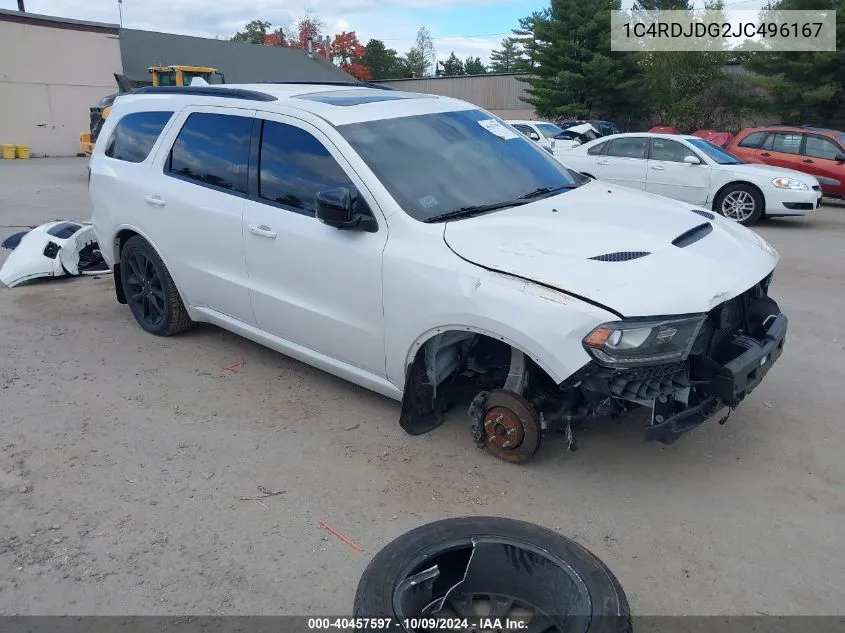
x,y
759,203
138,244
374,596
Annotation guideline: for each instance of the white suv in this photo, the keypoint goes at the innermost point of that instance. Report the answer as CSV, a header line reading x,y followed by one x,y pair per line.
x,y
418,246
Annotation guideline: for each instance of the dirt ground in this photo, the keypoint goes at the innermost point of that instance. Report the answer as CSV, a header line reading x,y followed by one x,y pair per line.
x,y
122,457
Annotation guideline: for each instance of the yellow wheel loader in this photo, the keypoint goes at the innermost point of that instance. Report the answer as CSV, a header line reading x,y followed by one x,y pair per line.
x,y
161,76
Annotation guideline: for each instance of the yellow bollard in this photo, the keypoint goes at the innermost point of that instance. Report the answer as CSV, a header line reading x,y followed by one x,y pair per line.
x,y
8,151
22,151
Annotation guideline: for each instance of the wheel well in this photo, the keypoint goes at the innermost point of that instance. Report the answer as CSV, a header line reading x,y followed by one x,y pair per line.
x,y
739,182
120,239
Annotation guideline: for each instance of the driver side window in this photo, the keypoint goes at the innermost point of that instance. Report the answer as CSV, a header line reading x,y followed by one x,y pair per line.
x,y
294,166
671,151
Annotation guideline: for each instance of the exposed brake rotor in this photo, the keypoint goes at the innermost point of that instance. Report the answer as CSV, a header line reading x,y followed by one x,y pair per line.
x,y
511,428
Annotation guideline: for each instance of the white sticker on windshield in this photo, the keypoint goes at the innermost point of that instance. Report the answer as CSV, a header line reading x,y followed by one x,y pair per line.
x,y
427,202
493,126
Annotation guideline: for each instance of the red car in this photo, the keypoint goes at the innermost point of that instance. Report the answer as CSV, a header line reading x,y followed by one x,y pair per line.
x,y
719,138
664,129
813,150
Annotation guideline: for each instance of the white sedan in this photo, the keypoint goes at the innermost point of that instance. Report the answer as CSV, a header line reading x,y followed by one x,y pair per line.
x,y
694,170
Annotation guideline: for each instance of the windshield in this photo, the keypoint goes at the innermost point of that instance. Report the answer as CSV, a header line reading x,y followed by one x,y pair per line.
x,y
715,152
549,130
438,163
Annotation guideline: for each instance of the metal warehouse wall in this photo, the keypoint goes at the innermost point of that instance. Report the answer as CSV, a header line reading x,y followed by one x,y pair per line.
x,y
499,94
51,72
240,63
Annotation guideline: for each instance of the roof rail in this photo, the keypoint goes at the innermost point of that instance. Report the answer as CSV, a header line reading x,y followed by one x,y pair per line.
x,y
351,84
208,91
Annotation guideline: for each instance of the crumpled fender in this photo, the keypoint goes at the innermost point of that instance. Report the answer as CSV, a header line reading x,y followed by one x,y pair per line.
x,y
53,249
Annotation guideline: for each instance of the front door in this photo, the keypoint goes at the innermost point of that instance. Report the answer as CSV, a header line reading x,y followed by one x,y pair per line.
x,y
624,162
820,159
312,284
670,176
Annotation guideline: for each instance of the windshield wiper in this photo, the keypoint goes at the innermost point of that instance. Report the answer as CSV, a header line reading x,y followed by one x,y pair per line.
x,y
466,212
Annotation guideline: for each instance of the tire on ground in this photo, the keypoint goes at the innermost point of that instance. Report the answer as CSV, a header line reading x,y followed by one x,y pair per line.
x,y
176,317
374,595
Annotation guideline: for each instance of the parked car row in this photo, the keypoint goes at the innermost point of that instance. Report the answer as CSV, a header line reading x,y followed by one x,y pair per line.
x,y
697,171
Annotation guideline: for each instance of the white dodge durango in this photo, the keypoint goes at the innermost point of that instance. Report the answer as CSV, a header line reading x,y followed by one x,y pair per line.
x,y
418,246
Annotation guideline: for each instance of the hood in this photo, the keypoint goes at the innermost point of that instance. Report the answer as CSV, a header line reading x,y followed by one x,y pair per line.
x,y
759,169
614,246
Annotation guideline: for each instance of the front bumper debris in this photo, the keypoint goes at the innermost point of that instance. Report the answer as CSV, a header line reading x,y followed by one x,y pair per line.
x,y
728,384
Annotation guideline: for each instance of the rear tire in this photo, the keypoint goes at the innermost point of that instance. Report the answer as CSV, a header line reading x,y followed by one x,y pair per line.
x,y
150,291
741,203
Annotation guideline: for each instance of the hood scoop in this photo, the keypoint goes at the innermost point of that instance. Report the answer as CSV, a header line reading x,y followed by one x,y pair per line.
x,y
621,256
693,235
704,214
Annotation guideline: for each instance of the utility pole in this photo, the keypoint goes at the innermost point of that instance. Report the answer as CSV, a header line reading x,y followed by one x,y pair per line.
x,y
20,6
119,9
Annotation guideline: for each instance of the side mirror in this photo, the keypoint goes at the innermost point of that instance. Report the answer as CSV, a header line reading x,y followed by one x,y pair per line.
x,y
692,160
839,158
534,136
337,208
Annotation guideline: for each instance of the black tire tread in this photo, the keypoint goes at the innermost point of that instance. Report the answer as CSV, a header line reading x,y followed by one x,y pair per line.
x,y
177,317
371,597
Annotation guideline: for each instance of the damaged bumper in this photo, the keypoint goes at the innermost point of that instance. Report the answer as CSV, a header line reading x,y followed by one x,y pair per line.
x,y
54,249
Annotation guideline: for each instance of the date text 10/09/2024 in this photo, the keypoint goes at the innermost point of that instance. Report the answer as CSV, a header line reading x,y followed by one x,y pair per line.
x,y
722,29
413,624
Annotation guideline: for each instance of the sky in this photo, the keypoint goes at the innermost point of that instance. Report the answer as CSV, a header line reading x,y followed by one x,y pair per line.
x,y
467,27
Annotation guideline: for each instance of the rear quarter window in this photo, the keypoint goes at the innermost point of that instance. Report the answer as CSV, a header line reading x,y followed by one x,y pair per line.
x,y
135,134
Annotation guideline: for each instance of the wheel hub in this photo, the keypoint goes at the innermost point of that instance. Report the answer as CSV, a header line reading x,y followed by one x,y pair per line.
x,y
511,428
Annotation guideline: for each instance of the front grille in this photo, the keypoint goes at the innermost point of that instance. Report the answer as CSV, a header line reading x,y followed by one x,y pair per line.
x,y
645,383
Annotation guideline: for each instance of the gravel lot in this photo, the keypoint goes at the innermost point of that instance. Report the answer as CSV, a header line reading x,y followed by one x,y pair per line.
x,y
122,457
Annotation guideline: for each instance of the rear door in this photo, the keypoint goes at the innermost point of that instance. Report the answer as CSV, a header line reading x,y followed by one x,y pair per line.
x,y
819,159
199,193
668,174
783,149
624,162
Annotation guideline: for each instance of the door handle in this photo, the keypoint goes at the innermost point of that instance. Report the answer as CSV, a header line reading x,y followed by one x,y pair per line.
x,y
657,167
603,162
765,154
263,230
807,160
154,200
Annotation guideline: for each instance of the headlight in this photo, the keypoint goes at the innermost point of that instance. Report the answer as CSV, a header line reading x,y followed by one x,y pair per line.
x,y
636,342
789,183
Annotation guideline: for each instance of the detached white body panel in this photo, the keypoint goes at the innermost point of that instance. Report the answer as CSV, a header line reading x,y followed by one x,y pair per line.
x,y
43,252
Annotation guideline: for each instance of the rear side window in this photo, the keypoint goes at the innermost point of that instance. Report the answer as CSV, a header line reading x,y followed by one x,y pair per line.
x,y
754,140
597,149
213,149
294,166
819,147
627,147
135,134
787,142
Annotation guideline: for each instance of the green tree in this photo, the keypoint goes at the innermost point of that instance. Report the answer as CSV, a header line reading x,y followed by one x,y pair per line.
x,y
253,32
383,62
425,57
473,66
575,73
805,87
415,64
526,39
452,66
662,5
504,59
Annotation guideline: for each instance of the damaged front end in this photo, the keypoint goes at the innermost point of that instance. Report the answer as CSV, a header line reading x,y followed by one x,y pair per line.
x,y
685,369
54,249
728,352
